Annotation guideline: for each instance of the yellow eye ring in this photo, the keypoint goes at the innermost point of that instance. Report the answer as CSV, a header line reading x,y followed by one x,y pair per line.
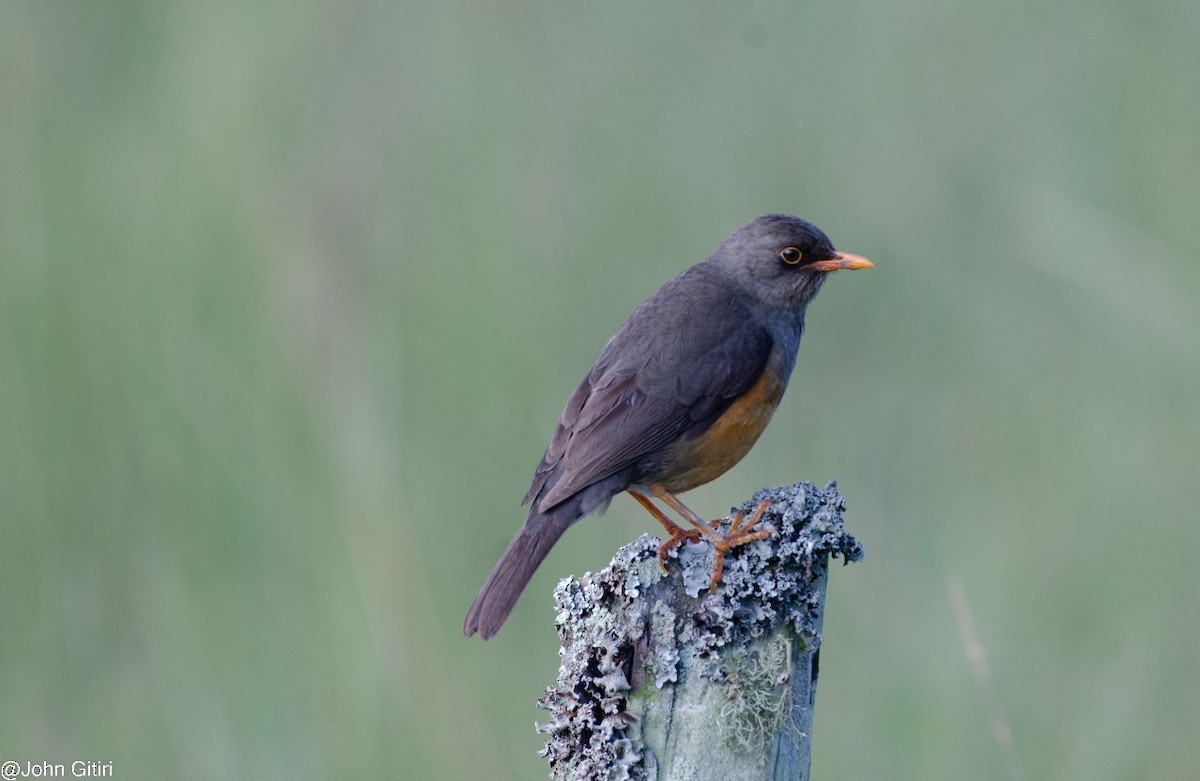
x,y
790,255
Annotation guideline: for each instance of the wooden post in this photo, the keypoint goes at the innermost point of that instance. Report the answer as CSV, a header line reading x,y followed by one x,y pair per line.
x,y
662,680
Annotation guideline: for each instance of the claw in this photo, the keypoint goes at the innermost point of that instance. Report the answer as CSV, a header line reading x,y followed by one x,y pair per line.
x,y
677,537
737,536
740,530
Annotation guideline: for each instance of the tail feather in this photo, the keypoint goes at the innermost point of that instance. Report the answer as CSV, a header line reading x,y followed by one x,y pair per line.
x,y
512,573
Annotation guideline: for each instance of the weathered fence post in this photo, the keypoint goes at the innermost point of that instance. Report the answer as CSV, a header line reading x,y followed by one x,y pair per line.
x,y
664,681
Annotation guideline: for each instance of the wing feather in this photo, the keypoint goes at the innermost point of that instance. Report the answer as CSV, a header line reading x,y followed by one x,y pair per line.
x,y
668,370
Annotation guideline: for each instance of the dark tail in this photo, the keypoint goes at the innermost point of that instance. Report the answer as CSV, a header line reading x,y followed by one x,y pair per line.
x,y
512,573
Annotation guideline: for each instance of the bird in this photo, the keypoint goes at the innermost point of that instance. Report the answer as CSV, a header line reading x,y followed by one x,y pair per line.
x,y
679,395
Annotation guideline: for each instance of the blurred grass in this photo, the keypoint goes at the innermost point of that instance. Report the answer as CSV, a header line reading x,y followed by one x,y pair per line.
x,y
291,296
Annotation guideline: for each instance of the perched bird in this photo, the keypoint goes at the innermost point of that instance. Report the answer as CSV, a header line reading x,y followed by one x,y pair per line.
x,y
678,396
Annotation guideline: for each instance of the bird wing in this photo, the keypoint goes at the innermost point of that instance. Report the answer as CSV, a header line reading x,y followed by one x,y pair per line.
x,y
670,368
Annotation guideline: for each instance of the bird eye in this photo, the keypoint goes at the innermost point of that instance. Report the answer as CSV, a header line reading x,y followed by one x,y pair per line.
x,y
790,255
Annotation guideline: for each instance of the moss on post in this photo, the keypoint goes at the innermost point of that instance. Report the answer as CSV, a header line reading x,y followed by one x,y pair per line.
x,y
663,680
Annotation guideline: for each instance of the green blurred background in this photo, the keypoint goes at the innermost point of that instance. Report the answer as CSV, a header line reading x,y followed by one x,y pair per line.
x,y
291,295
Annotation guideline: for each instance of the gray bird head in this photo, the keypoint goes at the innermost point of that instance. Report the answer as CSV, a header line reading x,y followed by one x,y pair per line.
x,y
781,261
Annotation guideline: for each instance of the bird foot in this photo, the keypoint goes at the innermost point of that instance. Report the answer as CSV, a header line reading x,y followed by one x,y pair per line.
x,y
740,533
677,536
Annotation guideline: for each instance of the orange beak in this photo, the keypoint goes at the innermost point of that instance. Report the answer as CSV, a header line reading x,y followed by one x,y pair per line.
x,y
842,260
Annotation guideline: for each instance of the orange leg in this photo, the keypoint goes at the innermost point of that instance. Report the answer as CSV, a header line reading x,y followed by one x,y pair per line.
x,y
677,535
741,529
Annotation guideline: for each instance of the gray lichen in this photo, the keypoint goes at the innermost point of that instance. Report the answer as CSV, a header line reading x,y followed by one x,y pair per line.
x,y
631,637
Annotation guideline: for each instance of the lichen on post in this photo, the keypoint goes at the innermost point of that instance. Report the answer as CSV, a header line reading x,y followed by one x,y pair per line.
x,y
662,679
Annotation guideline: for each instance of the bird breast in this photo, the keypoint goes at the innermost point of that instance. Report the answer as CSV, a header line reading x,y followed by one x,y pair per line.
x,y
694,461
